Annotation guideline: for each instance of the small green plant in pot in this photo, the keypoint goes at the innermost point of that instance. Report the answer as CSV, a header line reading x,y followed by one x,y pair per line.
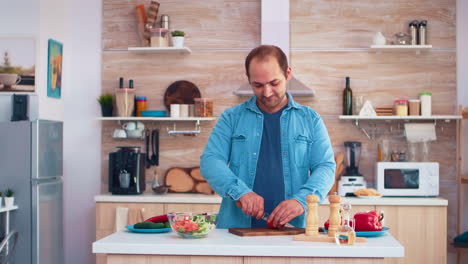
x,y
105,101
9,198
178,38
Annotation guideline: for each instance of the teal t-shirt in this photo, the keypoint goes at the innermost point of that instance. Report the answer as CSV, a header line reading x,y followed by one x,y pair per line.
x,y
269,181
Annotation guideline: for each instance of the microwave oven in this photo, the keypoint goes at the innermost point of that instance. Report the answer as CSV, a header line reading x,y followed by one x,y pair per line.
x,y
407,178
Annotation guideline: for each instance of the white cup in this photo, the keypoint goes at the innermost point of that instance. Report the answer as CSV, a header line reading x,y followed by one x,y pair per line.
x,y
129,126
184,110
175,110
119,133
9,79
140,126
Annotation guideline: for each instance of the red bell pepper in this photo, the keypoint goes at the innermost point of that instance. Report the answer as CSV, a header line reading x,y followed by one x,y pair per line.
x,y
368,221
158,219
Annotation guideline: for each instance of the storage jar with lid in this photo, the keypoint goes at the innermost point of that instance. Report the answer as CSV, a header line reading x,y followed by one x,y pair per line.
x,y
159,37
140,105
401,107
203,107
414,107
426,104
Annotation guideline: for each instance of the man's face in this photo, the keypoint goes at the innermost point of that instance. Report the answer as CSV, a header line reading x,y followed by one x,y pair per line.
x,y
269,84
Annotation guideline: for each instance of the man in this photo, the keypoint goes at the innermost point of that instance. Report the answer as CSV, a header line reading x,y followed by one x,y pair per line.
x,y
269,153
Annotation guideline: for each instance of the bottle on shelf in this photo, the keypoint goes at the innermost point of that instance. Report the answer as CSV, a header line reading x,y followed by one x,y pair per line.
x,y
347,99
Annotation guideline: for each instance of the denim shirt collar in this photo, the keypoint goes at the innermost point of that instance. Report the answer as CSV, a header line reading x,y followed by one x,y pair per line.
x,y
251,104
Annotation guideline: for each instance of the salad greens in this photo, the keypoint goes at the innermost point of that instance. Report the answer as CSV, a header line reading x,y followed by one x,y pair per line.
x,y
197,225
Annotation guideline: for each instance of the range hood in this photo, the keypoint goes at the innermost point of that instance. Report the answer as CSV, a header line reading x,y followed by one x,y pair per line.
x,y
275,31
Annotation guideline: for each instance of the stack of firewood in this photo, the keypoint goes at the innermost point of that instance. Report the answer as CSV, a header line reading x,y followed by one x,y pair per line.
x,y
183,180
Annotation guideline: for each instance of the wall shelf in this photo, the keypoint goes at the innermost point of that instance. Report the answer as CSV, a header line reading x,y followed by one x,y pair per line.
x,y
160,50
417,48
170,119
171,131
7,209
434,117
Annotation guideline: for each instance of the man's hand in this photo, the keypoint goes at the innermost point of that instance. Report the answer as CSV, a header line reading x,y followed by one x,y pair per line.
x,y
252,204
285,212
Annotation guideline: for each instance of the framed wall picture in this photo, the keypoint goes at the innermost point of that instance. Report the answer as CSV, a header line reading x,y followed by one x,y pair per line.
x,y
54,69
17,64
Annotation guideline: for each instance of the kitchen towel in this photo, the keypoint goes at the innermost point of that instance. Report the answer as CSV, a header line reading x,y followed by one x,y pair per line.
x,y
420,132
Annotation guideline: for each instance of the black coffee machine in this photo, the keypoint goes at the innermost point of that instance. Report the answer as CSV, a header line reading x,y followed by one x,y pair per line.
x,y
127,171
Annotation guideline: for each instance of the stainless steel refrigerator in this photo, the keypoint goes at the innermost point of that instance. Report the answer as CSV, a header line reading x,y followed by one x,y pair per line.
x,y
31,163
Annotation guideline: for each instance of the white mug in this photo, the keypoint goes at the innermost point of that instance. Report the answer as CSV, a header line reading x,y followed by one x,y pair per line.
x,y
184,110
9,79
119,133
175,110
129,126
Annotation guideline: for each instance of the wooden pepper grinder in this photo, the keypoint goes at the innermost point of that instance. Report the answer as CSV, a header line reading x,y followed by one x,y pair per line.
x,y
312,215
335,220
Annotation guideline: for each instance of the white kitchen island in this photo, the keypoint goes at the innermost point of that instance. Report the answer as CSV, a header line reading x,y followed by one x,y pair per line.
x,y
222,247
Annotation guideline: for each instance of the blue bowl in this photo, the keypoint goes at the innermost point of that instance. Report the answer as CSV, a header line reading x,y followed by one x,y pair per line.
x,y
154,113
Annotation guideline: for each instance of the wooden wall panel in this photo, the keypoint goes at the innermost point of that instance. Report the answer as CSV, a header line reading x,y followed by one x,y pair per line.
x,y
352,24
207,24
328,39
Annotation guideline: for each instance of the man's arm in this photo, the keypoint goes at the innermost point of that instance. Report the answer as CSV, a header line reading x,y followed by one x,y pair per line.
x,y
214,161
322,166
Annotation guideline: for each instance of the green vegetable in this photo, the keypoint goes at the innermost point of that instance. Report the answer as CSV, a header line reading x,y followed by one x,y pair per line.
x,y
149,225
167,225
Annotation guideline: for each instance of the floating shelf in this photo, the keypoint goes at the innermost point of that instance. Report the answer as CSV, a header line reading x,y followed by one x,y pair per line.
x,y
464,179
434,117
136,118
6,209
160,50
417,48
294,93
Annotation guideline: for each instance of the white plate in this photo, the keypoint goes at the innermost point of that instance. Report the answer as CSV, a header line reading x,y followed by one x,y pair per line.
x,y
371,197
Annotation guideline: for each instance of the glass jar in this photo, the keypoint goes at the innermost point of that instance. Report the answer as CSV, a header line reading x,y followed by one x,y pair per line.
x,y
414,107
203,107
159,37
140,105
345,235
402,39
401,107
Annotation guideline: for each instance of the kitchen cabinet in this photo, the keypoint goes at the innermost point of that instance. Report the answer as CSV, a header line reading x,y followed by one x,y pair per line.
x,y
462,178
422,230
105,218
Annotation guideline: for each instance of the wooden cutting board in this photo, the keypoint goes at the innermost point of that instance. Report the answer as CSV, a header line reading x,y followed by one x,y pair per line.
x,y
259,231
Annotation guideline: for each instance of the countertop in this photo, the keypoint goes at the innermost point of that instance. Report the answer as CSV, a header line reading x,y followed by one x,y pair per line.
x,y
221,243
215,199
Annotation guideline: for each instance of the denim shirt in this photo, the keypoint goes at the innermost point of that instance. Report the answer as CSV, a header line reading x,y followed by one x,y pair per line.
x,y
229,160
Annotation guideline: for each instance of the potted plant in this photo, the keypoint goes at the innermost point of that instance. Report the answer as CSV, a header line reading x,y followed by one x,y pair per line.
x,y
105,101
9,198
178,38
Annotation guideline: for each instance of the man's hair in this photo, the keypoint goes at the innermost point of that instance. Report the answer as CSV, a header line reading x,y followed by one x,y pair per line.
x,y
264,51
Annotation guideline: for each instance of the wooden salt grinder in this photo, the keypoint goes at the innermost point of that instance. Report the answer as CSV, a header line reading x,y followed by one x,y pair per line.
x,y
335,220
312,215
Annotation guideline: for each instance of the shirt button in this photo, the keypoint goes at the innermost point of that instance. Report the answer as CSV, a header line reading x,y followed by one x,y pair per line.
x,y
255,153
285,153
258,134
286,175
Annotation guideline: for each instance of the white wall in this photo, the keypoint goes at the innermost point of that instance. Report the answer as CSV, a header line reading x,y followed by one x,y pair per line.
x,y
77,24
82,144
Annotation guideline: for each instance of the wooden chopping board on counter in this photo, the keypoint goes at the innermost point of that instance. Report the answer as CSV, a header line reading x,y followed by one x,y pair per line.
x,y
264,231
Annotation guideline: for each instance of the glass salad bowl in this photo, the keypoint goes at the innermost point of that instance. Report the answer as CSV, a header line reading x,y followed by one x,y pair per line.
x,y
192,225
